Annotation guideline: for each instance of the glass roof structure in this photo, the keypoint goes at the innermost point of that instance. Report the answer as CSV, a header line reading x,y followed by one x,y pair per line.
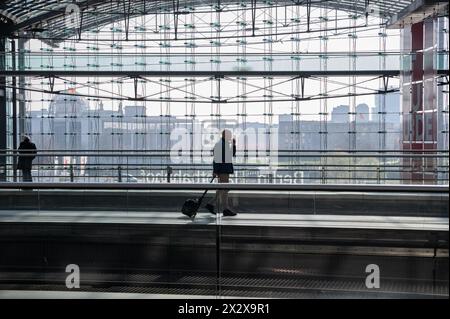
x,y
49,15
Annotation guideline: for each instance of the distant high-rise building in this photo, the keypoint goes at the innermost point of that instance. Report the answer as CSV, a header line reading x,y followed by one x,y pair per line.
x,y
339,114
68,122
135,110
392,107
67,104
362,113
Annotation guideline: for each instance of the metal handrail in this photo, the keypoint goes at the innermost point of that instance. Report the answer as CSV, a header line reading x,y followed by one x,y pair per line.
x,y
217,186
273,178
389,162
245,151
261,153
244,167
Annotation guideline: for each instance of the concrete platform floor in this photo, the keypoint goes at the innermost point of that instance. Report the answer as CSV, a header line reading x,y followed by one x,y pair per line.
x,y
243,219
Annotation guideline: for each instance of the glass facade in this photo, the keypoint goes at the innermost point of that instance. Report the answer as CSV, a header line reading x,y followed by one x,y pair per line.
x,y
337,93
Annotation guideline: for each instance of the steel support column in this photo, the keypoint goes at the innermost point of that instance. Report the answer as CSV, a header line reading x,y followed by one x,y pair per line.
x,y
3,137
22,85
14,110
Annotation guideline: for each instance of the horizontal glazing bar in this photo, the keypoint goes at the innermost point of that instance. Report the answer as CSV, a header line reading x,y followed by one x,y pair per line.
x,y
173,64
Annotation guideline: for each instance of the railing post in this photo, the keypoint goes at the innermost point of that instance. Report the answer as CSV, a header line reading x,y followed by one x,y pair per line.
x,y
2,172
220,207
71,173
169,173
378,175
323,174
119,172
14,166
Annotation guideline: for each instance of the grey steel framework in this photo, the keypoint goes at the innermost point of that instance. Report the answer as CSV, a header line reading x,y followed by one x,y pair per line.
x,y
48,15
190,62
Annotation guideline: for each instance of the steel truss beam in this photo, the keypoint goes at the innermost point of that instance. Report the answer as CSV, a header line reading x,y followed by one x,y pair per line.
x,y
133,74
231,100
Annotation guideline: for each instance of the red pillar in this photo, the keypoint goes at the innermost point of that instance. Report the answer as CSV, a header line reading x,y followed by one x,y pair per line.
x,y
419,100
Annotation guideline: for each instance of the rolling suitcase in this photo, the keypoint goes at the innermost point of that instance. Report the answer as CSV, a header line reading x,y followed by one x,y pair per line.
x,y
191,206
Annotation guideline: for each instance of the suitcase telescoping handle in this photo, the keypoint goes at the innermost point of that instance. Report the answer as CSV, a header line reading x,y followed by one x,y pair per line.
x,y
204,193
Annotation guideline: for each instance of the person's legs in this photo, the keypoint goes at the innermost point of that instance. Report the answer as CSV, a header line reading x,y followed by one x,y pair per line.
x,y
223,193
26,175
225,205
221,198
225,202
210,204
